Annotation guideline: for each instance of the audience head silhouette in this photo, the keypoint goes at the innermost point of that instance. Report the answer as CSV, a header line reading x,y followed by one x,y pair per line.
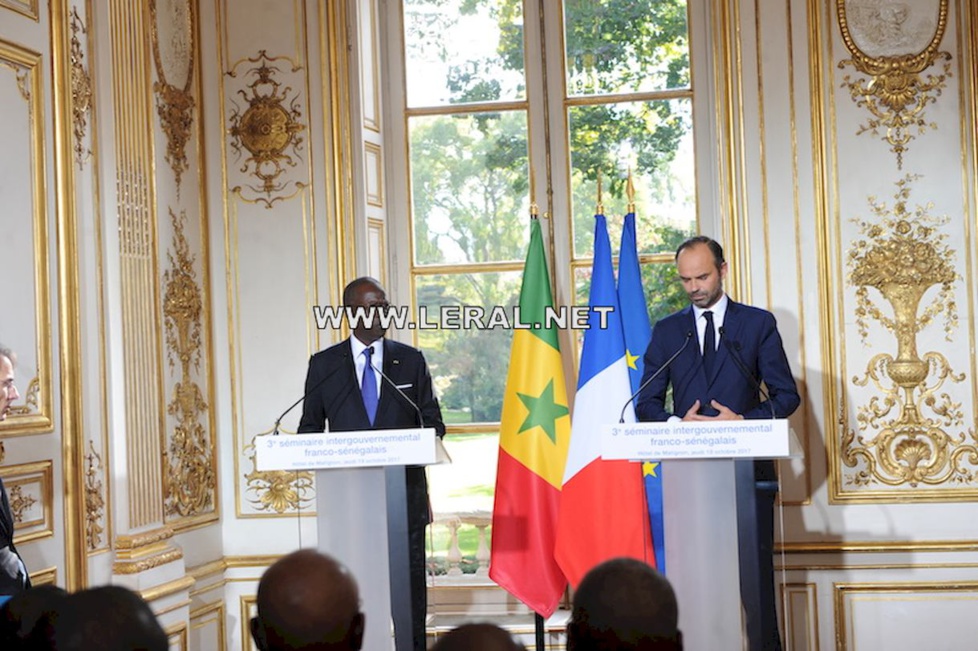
x,y
307,601
107,618
624,604
477,637
25,620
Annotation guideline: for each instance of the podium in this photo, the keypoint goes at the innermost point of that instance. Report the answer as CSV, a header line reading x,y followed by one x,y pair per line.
x,y
710,502
362,517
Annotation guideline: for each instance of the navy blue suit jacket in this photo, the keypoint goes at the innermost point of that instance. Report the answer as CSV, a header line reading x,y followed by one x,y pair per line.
x,y
333,394
749,332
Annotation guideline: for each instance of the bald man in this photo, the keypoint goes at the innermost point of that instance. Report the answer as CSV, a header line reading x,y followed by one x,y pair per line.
x,y
307,601
477,637
627,605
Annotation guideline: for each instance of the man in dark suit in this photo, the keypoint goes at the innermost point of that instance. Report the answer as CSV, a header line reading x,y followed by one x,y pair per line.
x,y
13,572
716,377
336,391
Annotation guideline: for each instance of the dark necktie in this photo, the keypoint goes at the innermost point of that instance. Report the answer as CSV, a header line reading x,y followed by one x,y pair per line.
x,y
709,344
368,386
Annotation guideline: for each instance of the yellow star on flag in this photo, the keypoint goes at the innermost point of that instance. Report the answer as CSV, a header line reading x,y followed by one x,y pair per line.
x,y
631,360
649,467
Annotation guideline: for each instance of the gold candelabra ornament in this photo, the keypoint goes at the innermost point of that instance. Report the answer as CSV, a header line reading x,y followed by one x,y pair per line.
x,y
902,255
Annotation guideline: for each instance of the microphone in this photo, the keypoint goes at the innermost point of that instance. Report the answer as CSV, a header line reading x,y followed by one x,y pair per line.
x,y
689,336
278,421
403,395
734,348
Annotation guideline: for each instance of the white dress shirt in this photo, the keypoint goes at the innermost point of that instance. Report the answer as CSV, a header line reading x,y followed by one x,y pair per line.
x,y
719,310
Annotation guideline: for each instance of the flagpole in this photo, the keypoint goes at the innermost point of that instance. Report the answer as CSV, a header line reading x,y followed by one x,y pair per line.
x,y
538,619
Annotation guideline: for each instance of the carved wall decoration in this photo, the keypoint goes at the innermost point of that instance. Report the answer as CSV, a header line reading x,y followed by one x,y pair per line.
x,y
30,490
894,43
32,397
277,490
191,480
94,502
268,129
913,433
19,502
81,89
172,23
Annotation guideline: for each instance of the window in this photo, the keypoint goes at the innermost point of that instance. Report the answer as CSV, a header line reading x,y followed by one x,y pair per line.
x,y
500,101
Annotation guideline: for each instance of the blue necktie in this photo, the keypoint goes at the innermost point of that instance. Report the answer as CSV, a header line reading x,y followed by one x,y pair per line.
x,y
709,344
368,387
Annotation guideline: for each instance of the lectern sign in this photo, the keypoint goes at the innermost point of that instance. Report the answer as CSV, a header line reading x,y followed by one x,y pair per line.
x,y
762,439
367,448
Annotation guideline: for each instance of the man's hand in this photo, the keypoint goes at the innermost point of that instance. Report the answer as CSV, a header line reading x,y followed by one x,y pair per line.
x,y
723,412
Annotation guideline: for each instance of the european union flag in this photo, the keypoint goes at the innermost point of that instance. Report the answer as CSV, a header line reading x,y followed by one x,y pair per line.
x,y
638,332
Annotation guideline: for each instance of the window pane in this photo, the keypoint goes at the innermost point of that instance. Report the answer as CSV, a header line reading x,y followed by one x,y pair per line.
x,y
461,499
468,363
623,47
469,187
461,51
655,141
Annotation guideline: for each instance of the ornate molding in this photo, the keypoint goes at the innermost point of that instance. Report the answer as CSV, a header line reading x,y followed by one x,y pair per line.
x,y
903,439
19,502
32,397
268,129
191,482
94,502
175,59
148,563
277,490
132,543
81,89
891,55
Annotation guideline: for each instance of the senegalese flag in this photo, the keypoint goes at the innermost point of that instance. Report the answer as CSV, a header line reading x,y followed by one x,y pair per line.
x,y
534,433
638,333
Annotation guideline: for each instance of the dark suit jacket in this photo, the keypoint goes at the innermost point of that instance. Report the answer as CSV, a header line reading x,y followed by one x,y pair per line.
x,y
750,333
333,394
9,584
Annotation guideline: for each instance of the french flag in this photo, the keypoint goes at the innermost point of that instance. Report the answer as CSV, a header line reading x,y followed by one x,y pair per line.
x,y
603,512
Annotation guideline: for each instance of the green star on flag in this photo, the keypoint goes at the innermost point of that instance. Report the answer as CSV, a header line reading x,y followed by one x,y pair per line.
x,y
544,412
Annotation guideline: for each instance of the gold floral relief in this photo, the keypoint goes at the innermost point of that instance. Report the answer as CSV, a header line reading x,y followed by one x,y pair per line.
x,y
269,131
172,28
912,432
94,501
32,397
19,502
277,490
81,89
894,43
191,480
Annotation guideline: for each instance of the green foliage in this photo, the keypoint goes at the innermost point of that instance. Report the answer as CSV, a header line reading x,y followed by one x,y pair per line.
x,y
470,172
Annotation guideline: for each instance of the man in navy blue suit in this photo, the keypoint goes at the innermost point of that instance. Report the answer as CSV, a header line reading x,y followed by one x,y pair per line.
x,y
393,379
730,348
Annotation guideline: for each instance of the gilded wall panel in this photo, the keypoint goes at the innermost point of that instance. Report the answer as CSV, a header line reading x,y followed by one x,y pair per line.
x,y
369,65
24,247
274,229
30,489
889,615
897,256
207,627
190,488
26,8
